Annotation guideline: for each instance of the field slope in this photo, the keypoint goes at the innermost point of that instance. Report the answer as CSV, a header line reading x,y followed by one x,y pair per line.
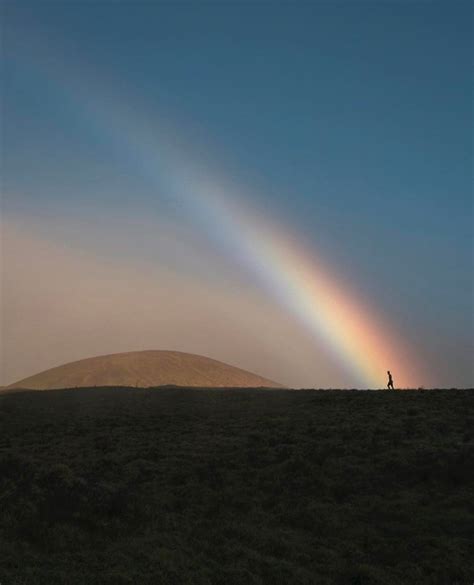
x,y
132,486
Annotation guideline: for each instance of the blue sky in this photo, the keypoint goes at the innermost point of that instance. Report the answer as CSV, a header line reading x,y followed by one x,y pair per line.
x,y
351,122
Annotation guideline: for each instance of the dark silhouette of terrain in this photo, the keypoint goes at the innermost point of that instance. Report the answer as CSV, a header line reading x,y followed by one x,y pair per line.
x,y
243,487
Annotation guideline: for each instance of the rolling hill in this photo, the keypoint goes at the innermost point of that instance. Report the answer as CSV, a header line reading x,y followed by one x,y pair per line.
x,y
143,369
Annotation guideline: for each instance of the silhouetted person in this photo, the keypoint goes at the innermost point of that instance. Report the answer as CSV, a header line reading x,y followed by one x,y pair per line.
x,y
390,381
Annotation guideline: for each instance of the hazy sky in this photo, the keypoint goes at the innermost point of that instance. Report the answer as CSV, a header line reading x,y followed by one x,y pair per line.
x,y
255,182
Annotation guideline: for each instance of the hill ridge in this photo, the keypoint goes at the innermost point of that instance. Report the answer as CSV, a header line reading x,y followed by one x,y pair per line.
x,y
144,368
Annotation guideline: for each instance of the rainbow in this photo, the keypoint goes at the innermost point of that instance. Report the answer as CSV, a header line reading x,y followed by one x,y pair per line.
x,y
362,342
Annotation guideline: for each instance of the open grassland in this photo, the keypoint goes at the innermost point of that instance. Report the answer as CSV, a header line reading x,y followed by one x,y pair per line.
x,y
225,487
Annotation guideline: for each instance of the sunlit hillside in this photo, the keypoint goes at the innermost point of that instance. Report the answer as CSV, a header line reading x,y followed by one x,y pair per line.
x,y
144,368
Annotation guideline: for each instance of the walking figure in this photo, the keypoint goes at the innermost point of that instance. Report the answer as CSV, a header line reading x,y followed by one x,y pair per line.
x,y
390,381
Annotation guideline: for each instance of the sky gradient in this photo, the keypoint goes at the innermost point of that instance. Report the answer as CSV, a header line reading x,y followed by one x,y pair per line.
x,y
287,188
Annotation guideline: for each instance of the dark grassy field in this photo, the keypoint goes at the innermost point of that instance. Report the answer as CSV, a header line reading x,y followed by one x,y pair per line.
x,y
115,486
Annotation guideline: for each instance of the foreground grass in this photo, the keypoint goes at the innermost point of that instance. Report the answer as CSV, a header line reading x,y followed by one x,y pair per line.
x,y
116,486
